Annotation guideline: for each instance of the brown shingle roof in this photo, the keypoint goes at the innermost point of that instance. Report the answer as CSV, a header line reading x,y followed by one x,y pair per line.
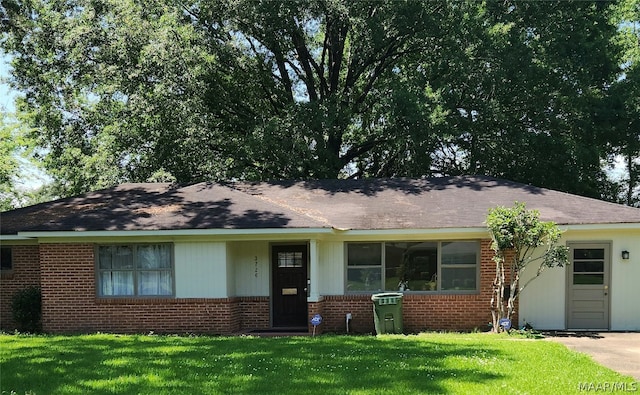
x,y
451,202
448,202
153,207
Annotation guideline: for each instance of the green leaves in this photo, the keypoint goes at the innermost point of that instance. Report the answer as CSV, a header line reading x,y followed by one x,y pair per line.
x,y
518,228
518,239
315,89
556,256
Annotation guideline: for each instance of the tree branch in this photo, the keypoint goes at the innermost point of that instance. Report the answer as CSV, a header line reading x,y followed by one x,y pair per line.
x,y
358,150
284,74
305,59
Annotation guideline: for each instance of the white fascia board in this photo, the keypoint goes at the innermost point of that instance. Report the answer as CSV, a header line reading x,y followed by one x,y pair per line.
x,y
290,233
404,234
174,233
17,239
588,227
466,233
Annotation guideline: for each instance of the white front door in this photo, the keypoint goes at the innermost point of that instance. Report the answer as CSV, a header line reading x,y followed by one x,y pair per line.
x,y
588,286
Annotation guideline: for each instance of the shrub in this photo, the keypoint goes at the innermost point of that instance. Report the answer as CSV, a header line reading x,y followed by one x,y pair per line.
x,y
26,307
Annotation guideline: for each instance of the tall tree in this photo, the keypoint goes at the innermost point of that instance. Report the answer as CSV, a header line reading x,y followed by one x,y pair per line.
x,y
257,89
626,102
8,163
524,92
20,174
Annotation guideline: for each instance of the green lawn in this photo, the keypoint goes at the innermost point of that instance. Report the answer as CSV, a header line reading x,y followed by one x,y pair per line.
x,y
420,364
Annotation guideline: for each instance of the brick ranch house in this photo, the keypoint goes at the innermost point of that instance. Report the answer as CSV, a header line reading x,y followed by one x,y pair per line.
x,y
237,257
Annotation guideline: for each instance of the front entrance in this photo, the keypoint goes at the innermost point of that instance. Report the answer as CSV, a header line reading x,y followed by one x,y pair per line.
x,y
588,286
289,282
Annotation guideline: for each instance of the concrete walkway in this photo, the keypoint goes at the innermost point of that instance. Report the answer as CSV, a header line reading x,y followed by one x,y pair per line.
x,y
615,350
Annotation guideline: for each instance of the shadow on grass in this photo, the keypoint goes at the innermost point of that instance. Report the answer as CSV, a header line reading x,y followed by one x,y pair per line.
x,y
108,364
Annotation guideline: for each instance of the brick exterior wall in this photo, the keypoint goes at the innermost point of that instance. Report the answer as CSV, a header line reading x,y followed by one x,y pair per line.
x,y
254,312
70,304
25,273
420,311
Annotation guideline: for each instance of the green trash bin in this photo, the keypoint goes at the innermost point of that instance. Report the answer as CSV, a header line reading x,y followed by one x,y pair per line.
x,y
387,312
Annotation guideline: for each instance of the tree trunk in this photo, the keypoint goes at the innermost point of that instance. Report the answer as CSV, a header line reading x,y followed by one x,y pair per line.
x,y
632,179
497,305
512,296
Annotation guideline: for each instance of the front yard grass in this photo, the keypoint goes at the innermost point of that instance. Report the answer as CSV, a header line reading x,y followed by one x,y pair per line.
x,y
419,364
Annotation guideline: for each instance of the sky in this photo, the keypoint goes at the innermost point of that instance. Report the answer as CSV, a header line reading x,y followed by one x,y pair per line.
x,y
7,96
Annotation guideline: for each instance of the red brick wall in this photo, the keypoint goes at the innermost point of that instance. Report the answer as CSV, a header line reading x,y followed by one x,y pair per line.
x,y
254,312
219,316
25,273
70,303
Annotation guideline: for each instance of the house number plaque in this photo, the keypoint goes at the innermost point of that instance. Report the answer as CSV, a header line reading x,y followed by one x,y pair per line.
x,y
255,260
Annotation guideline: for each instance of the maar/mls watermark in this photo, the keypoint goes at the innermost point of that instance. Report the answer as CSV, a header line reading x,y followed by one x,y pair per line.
x,y
609,386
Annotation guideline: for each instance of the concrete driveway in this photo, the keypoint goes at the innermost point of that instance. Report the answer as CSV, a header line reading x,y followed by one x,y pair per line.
x,y
615,350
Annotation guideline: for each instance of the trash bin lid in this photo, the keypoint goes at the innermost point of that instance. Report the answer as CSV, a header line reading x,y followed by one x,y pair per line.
x,y
386,298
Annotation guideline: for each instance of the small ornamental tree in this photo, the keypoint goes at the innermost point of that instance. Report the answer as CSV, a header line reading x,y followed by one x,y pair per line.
x,y
519,239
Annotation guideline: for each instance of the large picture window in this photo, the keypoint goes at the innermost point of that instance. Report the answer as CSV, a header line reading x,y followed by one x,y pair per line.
x,y
413,266
135,270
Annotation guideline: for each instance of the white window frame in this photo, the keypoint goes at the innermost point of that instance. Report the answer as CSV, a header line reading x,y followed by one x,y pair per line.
x,y
438,289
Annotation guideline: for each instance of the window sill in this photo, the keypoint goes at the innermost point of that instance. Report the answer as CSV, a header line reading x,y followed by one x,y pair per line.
x,y
134,299
408,293
6,274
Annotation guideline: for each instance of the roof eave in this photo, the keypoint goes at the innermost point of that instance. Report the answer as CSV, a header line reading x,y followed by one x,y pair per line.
x,y
166,232
17,239
602,226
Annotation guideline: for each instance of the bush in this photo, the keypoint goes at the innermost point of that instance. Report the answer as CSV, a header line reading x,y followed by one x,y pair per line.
x,y
26,306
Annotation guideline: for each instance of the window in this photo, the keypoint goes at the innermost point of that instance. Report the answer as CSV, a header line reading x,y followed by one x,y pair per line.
x,y
6,260
290,259
364,265
413,266
135,270
458,266
588,266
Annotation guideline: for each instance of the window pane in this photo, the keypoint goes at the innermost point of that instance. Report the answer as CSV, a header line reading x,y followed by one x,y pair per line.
x,y
290,259
454,278
361,279
154,256
364,254
588,266
155,283
122,257
411,266
459,253
6,262
588,253
116,283
588,279
104,257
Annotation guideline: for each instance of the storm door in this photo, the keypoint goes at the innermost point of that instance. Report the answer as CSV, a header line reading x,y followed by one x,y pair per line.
x,y
289,285
588,287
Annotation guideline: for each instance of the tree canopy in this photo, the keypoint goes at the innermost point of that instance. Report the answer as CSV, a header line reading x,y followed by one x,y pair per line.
x,y
119,90
8,164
